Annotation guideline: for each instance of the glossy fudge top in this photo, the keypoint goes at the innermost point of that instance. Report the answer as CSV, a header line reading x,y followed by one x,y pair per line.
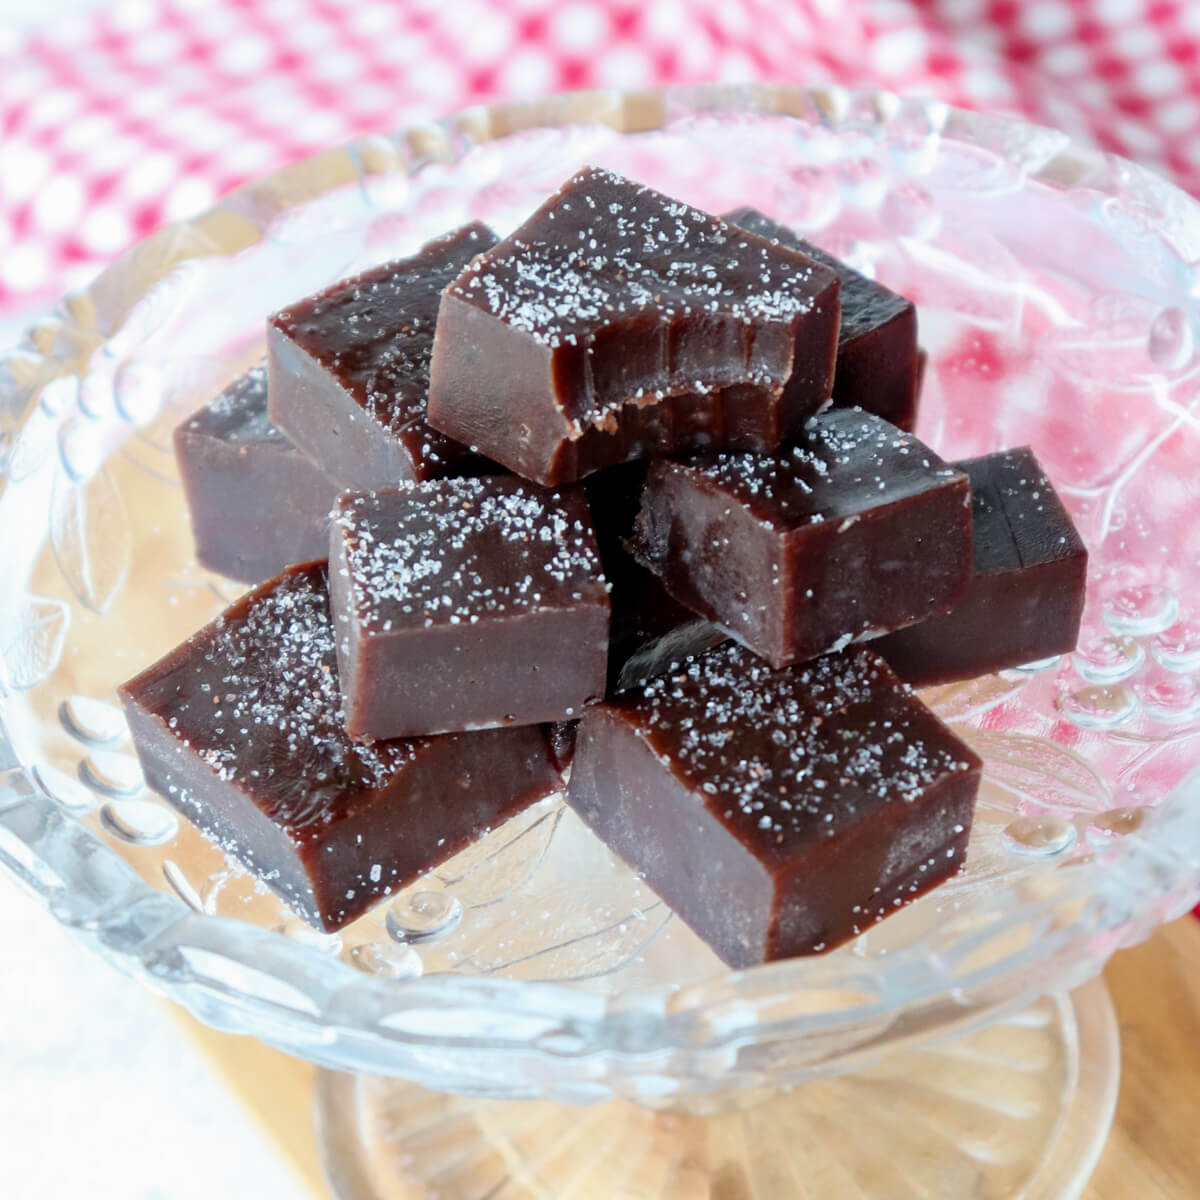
x,y
603,248
789,758
865,304
239,413
374,332
845,463
255,695
1019,519
452,551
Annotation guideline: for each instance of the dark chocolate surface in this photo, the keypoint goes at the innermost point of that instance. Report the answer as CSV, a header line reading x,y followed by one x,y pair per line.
x,y
652,633
617,323
857,528
1025,601
778,812
239,414
350,368
562,743
614,496
649,630
241,728
256,503
466,603
877,369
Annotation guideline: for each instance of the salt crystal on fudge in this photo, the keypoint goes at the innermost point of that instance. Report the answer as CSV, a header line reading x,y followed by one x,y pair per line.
x,y
855,530
241,728
617,323
466,604
777,812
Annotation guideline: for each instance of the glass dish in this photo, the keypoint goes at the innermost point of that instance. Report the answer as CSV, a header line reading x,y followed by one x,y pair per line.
x,y
1056,293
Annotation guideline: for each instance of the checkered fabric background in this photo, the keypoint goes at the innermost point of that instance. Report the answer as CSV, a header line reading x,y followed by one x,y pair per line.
x,y
114,122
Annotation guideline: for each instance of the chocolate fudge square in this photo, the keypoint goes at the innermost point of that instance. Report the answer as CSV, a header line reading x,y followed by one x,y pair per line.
x,y
1026,596
779,813
855,530
466,604
617,323
877,358
257,504
349,369
241,729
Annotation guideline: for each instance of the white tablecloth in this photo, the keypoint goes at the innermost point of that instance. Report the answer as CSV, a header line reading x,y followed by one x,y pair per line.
x,y
102,1095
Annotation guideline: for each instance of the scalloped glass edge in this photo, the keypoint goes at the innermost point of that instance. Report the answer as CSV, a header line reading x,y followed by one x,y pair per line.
x,y
338,1016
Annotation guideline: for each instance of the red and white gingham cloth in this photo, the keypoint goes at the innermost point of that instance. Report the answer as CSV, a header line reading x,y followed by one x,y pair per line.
x,y
112,123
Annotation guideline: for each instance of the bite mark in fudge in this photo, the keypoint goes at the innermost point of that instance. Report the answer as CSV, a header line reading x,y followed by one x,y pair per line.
x,y
1026,596
349,369
856,530
777,812
466,604
257,504
617,323
877,367
240,728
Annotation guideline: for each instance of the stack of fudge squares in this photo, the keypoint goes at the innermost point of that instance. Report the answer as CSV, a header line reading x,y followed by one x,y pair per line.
x,y
628,504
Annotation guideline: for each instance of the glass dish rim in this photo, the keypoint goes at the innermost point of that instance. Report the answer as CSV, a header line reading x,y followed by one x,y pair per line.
x,y
1124,898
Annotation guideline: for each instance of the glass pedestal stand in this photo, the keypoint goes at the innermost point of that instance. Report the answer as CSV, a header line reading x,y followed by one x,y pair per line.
x,y
1057,289
1020,1108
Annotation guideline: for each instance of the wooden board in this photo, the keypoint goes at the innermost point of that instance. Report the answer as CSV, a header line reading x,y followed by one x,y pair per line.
x,y
1152,1154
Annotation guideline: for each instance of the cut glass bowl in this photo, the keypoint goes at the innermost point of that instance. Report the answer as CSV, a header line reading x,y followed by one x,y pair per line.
x,y
1056,291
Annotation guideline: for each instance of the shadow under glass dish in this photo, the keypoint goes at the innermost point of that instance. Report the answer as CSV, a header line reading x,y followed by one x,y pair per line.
x,y
1054,295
